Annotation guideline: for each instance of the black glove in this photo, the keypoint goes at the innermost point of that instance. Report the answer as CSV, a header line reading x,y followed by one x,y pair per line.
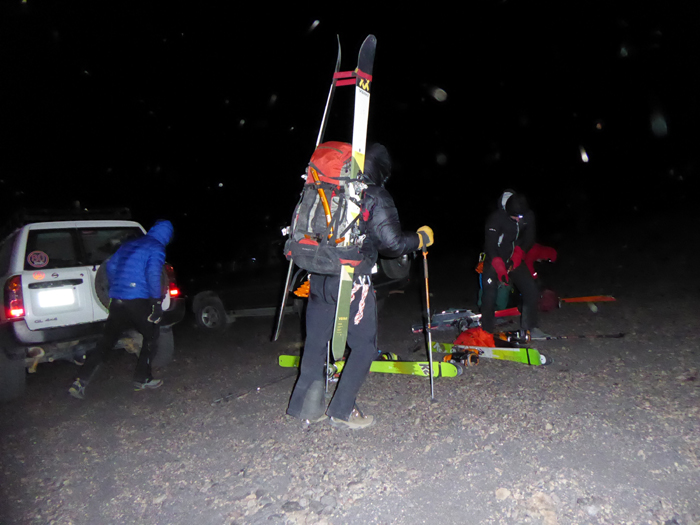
x,y
156,311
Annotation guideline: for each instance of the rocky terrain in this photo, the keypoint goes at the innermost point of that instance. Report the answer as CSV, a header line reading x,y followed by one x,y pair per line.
x,y
609,433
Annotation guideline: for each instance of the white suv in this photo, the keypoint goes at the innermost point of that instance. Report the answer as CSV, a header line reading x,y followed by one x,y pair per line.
x,y
54,296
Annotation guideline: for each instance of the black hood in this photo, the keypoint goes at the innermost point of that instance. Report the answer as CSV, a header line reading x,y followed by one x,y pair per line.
x,y
377,165
514,204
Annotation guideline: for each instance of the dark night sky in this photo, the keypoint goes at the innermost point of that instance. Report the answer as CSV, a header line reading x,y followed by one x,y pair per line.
x,y
207,116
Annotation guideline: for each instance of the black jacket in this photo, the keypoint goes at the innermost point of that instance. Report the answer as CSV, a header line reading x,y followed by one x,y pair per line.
x,y
380,222
503,234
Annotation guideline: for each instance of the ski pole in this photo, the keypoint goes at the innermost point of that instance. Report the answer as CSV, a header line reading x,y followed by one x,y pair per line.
x,y
321,133
427,307
284,300
527,338
590,336
328,362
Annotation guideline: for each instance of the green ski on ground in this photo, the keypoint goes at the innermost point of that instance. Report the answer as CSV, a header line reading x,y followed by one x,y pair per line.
x,y
528,356
414,368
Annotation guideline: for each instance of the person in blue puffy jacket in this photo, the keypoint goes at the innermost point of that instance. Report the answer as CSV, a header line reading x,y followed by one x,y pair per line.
x,y
136,296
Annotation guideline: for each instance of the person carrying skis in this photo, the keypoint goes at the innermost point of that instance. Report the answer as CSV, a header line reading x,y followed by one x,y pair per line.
x,y
136,295
510,234
384,235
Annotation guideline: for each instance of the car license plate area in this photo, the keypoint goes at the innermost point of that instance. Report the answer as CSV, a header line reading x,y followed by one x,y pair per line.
x,y
56,298
52,302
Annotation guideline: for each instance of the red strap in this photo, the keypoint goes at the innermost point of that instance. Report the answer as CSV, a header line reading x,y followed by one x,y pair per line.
x,y
343,74
364,75
347,78
344,78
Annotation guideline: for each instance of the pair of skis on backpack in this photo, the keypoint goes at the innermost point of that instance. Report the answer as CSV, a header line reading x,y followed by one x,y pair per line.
x,y
345,227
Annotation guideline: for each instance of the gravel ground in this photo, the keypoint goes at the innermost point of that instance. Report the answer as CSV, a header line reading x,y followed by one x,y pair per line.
x,y
609,433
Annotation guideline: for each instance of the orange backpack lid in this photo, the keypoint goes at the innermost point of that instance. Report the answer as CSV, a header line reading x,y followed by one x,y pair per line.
x,y
331,160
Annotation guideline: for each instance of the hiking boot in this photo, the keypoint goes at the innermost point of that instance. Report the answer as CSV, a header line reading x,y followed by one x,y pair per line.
x,y
536,333
356,421
77,389
313,421
148,384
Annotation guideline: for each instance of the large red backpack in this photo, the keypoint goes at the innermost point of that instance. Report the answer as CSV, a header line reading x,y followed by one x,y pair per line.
x,y
319,222
476,336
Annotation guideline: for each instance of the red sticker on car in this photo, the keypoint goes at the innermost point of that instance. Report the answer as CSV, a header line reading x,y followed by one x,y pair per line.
x,y
38,259
38,275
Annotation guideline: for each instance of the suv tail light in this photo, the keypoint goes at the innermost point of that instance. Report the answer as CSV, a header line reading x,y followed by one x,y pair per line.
x,y
14,302
172,282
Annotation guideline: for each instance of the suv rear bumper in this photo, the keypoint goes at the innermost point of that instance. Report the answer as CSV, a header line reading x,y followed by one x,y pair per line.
x,y
175,313
18,334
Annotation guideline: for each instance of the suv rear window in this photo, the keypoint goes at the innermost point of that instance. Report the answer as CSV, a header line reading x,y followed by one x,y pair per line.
x,y
100,243
69,247
50,249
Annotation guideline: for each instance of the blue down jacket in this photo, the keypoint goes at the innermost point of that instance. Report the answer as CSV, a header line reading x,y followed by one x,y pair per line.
x,y
134,270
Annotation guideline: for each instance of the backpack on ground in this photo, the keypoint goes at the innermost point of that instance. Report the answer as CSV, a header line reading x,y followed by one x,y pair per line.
x,y
319,223
476,336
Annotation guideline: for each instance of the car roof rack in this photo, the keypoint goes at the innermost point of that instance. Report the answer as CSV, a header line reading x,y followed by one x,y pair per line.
x,y
27,216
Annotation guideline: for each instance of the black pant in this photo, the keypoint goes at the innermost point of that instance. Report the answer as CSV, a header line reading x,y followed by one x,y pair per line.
x,y
526,285
124,315
308,397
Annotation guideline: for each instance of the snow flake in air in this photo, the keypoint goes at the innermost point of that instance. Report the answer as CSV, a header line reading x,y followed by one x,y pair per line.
x,y
313,25
658,124
438,94
584,155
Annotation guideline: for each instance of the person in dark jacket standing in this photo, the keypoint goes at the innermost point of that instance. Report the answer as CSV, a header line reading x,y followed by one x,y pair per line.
x,y
510,234
380,221
136,295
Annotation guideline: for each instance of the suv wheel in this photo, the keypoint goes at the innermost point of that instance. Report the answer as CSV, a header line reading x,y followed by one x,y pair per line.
x,y
210,314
